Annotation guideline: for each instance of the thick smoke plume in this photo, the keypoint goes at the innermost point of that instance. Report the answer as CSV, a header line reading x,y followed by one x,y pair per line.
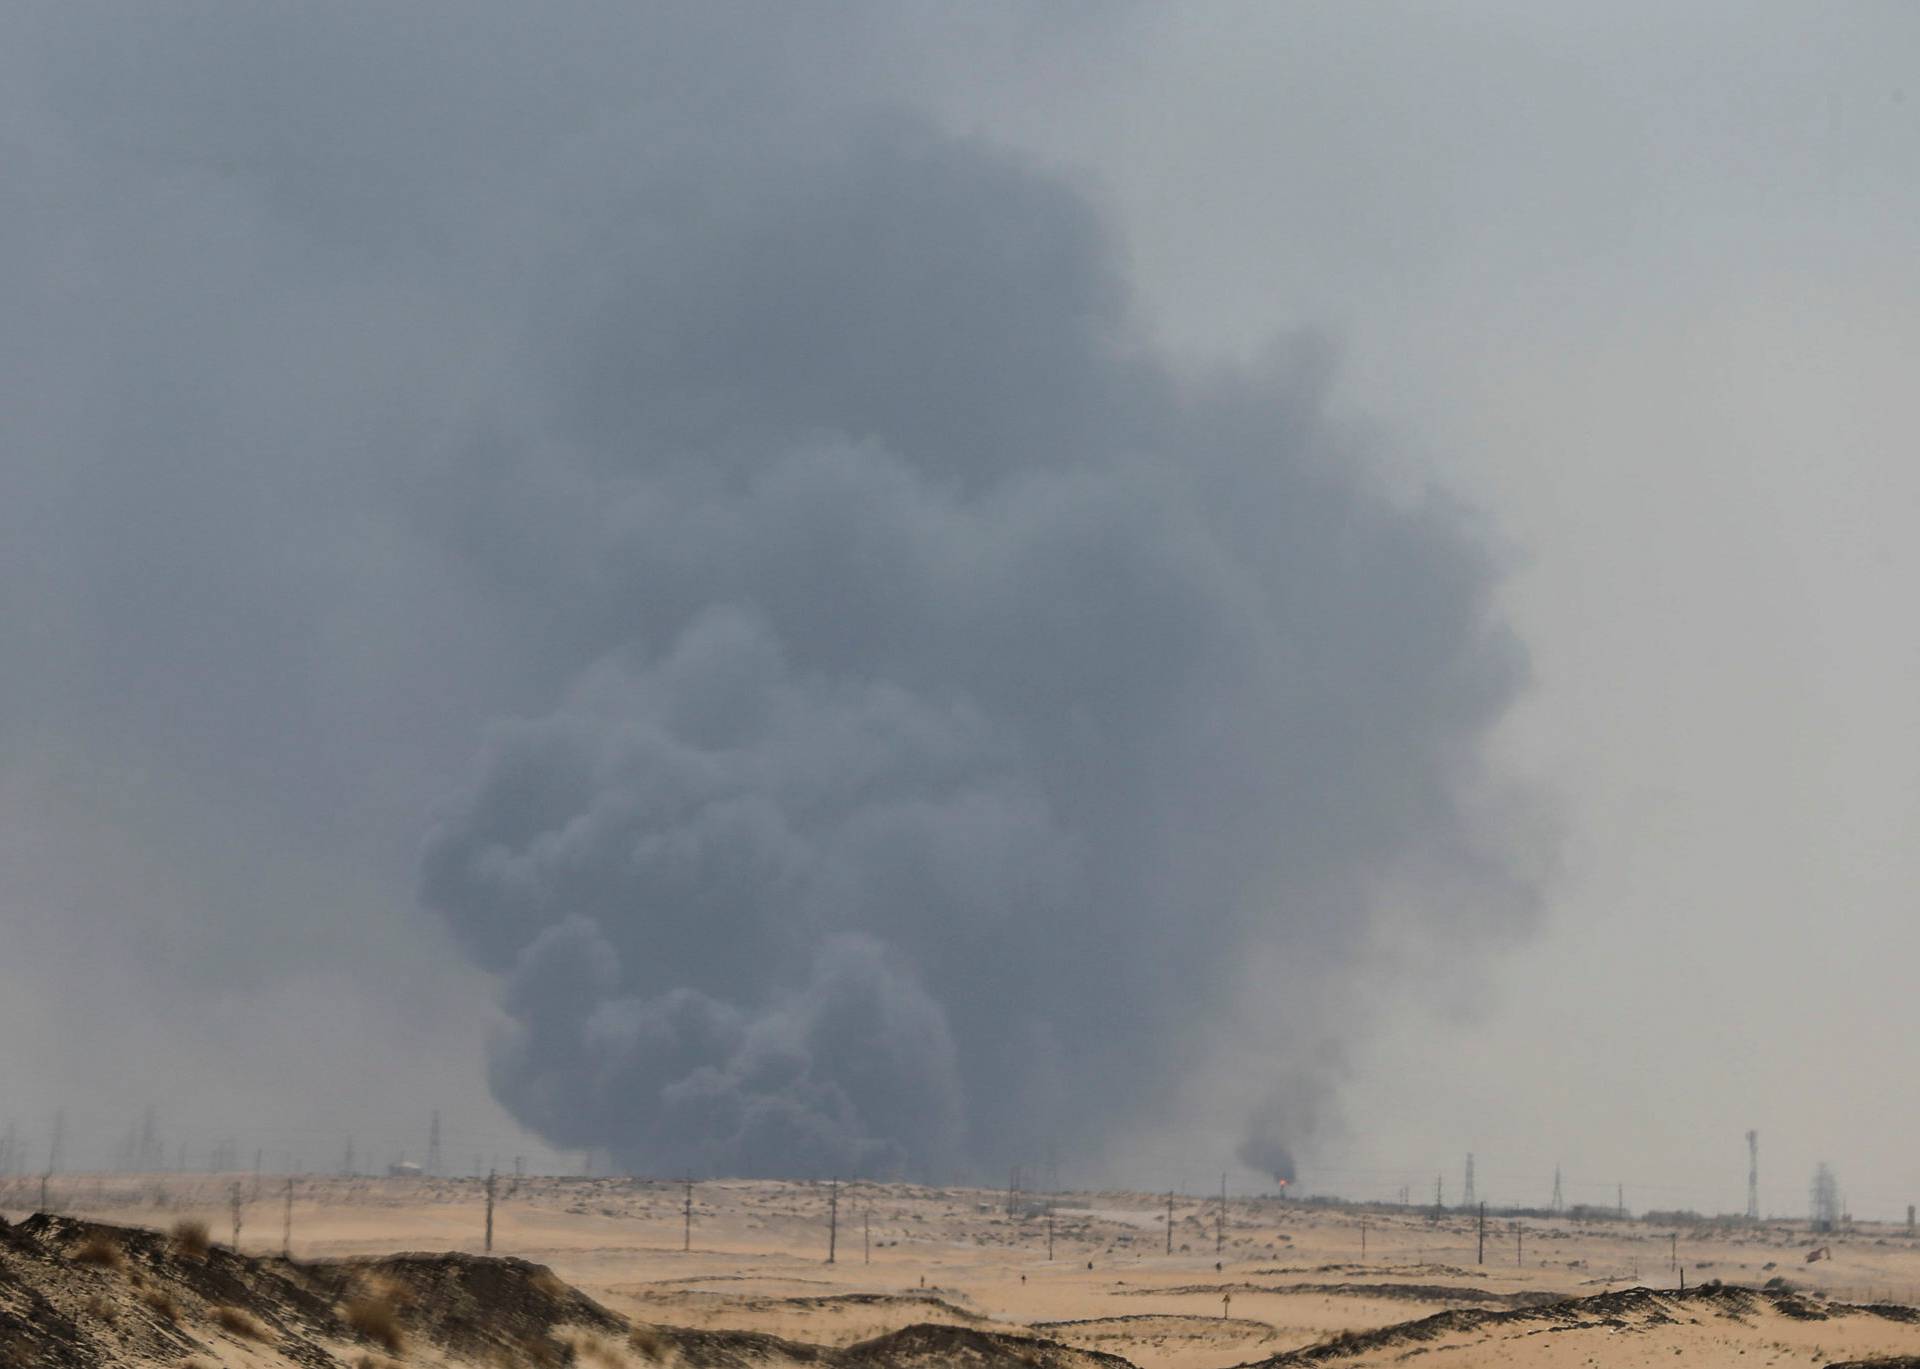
x,y
980,720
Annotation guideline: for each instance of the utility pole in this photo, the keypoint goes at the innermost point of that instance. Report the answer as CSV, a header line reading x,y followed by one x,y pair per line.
x,y
1049,1227
1557,1201
686,1232
1169,1219
1620,1201
1753,1176
286,1226
1516,1243
1363,1240
490,1183
233,1196
866,1234
833,1219
1483,1233
1467,1197
1220,1226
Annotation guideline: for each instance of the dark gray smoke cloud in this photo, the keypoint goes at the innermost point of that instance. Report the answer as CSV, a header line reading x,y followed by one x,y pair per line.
x,y
930,727
968,697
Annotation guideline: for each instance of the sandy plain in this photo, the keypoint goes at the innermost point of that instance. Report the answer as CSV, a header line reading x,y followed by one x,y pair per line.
x,y
1289,1281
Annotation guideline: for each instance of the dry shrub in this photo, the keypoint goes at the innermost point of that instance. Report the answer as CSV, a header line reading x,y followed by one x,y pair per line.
x,y
381,1288
240,1322
375,1362
104,1308
591,1349
101,1251
162,1303
199,1362
376,1318
190,1238
650,1345
551,1284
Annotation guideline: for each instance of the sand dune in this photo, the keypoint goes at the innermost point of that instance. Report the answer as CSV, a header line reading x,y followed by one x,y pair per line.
x,y
594,1272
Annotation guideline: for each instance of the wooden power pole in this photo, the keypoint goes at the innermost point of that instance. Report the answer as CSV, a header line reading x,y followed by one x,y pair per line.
x,y
1483,1233
1220,1223
1169,1221
490,1185
686,1230
286,1223
833,1219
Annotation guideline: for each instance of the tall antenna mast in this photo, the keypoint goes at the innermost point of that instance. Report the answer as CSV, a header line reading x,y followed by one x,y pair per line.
x,y
1753,1176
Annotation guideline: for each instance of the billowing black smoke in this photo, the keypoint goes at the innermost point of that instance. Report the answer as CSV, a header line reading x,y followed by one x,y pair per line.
x,y
975,722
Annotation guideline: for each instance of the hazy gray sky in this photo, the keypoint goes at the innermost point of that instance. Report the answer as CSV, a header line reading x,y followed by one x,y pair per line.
x,y
818,523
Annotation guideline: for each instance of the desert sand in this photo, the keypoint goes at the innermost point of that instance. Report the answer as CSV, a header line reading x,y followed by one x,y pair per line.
x,y
1290,1282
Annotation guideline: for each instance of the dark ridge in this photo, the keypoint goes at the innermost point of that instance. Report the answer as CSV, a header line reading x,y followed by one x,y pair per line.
x,y
696,1349
929,1346
915,1299
1619,1309
474,1304
1197,1318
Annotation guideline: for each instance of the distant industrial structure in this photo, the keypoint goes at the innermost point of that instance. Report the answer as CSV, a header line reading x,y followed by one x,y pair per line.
x,y
1824,1202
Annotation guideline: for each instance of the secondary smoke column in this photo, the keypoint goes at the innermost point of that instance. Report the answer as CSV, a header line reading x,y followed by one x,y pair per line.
x,y
969,709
